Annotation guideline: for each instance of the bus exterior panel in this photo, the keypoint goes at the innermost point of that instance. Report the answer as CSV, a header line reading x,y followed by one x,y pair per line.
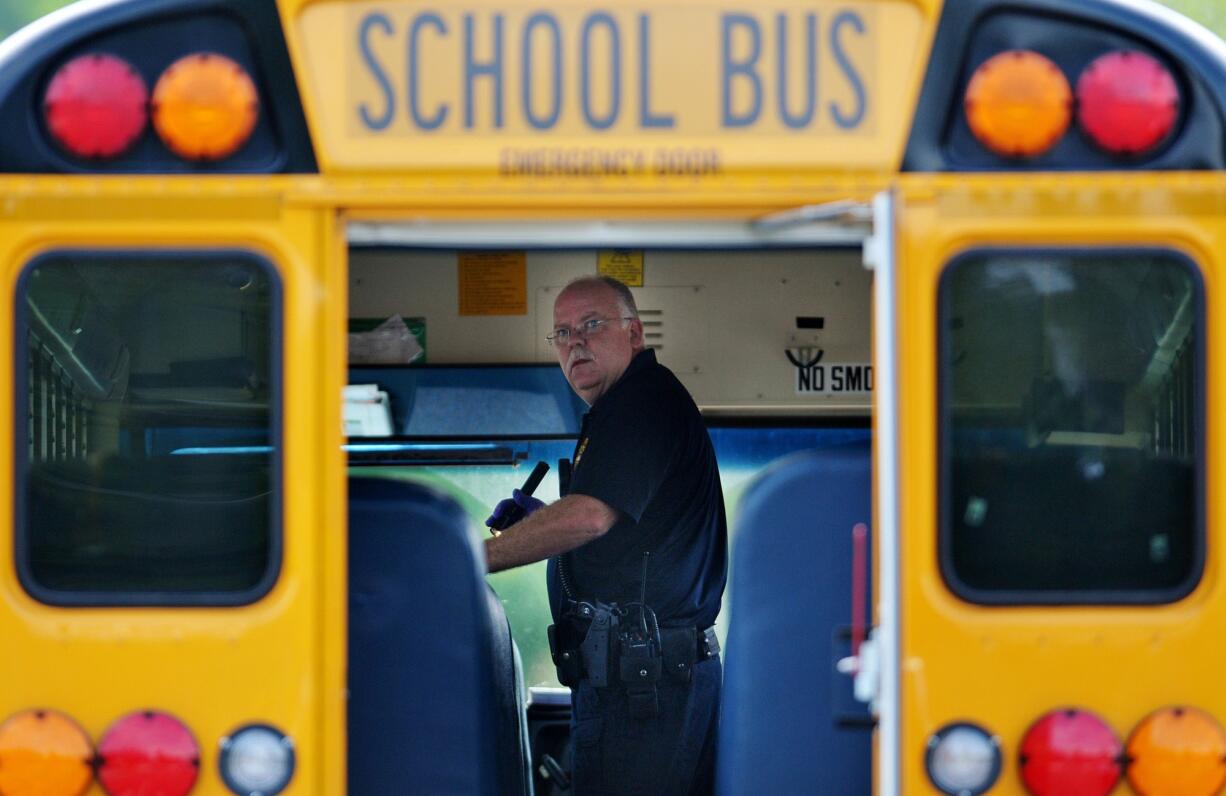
x,y
215,667
532,99
1005,661
1052,353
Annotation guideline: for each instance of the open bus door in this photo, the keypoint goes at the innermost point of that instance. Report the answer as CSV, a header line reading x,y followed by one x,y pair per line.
x,y
1053,366
741,309
176,513
875,665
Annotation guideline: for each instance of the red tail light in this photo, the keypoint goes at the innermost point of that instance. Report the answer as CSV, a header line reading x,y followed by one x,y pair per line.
x,y
96,106
1070,753
148,753
1127,102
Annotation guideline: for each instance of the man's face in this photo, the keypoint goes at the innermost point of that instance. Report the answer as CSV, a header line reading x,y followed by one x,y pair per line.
x,y
594,364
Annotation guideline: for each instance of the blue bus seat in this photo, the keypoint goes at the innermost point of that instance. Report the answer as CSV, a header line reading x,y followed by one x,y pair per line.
x,y
514,748
1072,517
435,705
789,724
93,524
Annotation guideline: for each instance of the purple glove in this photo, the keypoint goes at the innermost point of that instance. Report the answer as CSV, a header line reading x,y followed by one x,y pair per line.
x,y
512,510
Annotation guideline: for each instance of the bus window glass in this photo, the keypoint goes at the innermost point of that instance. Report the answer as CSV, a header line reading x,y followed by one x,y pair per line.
x,y
1071,406
147,448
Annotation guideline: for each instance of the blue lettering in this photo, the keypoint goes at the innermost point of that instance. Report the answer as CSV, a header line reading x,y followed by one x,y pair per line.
x,y
549,120
646,117
615,71
440,114
473,70
853,119
744,69
381,121
806,116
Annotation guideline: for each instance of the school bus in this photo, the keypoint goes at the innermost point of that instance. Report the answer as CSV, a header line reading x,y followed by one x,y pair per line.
x,y
940,275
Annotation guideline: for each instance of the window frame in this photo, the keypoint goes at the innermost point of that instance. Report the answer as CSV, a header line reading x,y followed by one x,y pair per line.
x,y
1089,597
21,463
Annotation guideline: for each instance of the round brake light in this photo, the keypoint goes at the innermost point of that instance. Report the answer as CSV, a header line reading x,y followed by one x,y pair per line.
x,y
1177,750
963,759
205,106
1018,104
1127,102
149,752
95,106
257,760
44,753
1070,753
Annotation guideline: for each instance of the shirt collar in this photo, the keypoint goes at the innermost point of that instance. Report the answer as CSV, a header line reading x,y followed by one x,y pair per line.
x,y
641,361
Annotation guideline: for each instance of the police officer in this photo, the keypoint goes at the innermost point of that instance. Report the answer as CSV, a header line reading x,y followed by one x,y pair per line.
x,y
644,497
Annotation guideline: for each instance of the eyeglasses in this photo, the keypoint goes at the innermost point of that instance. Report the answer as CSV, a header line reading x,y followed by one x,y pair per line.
x,y
587,330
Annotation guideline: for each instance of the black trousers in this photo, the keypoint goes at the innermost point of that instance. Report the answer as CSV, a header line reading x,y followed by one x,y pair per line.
x,y
672,753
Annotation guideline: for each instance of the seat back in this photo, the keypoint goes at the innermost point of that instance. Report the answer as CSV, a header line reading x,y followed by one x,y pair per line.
x,y
429,650
789,722
1082,518
204,519
514,751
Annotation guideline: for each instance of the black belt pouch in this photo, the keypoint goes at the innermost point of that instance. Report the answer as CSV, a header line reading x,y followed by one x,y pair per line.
x,y
679,646
564,650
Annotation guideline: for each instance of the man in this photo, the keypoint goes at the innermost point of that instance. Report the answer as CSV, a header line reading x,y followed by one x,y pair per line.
x,y
644,497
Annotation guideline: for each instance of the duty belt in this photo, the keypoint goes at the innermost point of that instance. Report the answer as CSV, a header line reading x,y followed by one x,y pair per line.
x,y
681,648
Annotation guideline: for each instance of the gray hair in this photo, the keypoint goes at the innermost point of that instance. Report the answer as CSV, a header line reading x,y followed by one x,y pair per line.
x,y
624,297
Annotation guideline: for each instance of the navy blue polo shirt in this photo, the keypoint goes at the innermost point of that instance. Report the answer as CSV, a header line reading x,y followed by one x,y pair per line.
x,y
644,451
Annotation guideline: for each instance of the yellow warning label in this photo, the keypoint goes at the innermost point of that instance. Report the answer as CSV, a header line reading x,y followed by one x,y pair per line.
x,y
625,265
493,283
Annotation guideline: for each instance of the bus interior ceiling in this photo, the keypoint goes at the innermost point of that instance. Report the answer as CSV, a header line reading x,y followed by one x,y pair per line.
x,y
722,320
773,344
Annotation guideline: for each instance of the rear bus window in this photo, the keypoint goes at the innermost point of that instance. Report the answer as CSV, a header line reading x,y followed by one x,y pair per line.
x,y
147,428
1071,425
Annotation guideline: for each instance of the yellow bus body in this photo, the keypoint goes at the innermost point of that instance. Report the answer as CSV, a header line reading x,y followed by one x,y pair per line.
x,y
282,659
1005,666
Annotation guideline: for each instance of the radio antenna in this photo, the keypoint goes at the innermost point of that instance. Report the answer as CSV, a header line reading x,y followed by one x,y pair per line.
x,y
643,594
